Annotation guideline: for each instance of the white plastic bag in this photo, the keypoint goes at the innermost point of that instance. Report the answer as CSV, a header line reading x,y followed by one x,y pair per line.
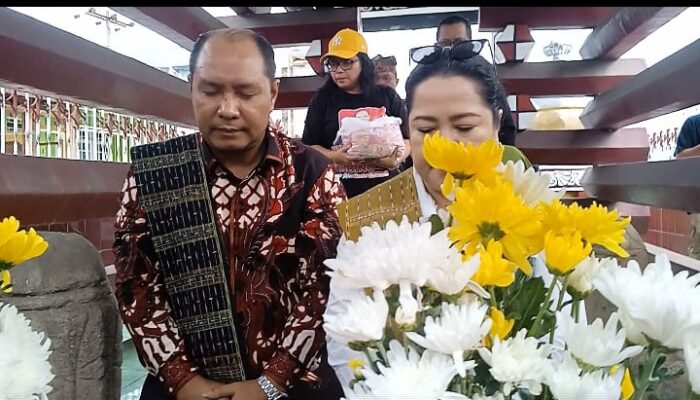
x,y
368,139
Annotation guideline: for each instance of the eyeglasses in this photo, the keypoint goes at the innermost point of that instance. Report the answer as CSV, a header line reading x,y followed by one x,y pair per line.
x,y
345,65
461,51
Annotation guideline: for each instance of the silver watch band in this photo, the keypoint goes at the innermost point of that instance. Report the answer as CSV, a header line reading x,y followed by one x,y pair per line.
x,y
270,389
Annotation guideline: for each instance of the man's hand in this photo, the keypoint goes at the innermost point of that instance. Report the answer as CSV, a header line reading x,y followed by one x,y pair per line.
x,y
246,390
196,387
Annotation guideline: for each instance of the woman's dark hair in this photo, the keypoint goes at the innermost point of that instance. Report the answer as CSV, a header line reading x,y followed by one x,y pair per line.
x,y
489,88
263,45
366,78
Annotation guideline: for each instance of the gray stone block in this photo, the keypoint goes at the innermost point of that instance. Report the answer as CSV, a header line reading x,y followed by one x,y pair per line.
x,y
65,293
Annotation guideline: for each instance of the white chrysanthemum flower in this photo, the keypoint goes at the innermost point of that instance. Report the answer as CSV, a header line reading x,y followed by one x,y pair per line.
x,y
459,328
453,275
634,335
661,305
403,254
566,382
384,257
691,353
532,186
581,279
24,358
357,318
518,362
495,396
595,344
409,376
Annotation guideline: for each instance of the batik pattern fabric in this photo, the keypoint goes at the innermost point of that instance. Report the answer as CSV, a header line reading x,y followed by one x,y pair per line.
x,y
275,227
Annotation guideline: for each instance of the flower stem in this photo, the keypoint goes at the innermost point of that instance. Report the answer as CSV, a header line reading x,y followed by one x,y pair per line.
x,y
575,310
492,292
647,374
371,358
543,307
382,352
562,292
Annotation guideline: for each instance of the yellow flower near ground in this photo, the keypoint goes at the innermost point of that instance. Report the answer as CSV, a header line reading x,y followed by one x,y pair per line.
x,y
16,246
5,280
626,387
563,252
355,364
500,326
494,270
463,162
495,212
596,224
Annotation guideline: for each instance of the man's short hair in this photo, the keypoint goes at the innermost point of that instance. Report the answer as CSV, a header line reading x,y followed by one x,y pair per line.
x,y
263,45
454,19
384,64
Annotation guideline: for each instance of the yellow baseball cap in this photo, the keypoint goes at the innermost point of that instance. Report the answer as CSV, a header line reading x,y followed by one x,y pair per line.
x,y
346,44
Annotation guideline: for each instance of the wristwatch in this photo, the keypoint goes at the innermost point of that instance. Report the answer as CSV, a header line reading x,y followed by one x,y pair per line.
x,y
270,389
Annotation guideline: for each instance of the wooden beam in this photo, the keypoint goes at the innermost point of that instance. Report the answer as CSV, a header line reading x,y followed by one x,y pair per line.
x,y
296,92
251,10
663,184
413,21
494,19
56,62
624,29
181,25
553,78
670,85
584,147
297,27
42,191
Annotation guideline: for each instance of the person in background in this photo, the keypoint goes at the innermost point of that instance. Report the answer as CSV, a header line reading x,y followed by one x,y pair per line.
x,y
454,30
385,71
351,85
220,240
688,145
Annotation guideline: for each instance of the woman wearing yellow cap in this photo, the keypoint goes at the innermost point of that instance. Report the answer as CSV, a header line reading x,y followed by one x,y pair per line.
x,y
351,86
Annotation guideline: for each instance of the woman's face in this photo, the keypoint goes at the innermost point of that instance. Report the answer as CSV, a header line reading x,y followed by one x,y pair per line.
x,y
346,79
453,106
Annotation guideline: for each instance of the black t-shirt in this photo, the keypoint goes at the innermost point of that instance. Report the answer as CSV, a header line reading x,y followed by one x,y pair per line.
x,y
689,136
321,126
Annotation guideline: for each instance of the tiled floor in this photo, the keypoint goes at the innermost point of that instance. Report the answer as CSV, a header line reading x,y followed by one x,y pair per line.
x,y
133,373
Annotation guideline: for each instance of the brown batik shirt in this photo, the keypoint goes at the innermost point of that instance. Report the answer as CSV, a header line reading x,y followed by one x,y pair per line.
x,y
279,302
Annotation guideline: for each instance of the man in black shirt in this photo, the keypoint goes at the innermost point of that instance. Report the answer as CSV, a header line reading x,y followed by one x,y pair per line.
x,y
454,30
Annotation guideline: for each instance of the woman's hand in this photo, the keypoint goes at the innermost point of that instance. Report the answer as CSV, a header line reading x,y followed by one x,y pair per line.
x,y
389,162
341,156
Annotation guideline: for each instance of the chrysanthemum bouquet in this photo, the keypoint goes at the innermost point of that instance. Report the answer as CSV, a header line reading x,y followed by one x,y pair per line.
x,y
484,301
25,372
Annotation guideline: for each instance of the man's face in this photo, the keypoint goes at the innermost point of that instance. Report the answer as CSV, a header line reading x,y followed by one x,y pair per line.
x,y
450,35
387,78
231,95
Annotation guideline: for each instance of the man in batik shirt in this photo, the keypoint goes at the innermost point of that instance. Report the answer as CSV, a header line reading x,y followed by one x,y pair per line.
x,y
220,241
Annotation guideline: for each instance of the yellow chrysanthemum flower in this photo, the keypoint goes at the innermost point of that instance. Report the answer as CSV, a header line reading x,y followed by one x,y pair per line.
x,y
500,326
462,162
564,252
5,281
355,364
626,387
8,227
18,247
596,223
494,270
495,212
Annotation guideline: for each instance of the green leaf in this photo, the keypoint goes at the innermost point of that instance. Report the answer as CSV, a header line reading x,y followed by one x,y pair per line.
x,y
437,224
524,306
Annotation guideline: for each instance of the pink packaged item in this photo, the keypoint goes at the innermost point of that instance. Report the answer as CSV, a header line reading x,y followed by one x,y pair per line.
x,y
369,132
